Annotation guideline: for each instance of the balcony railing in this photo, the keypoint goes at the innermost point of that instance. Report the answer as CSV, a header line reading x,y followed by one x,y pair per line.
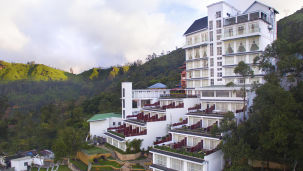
x,y
197,147
196,125
195,108
152,105
180,144
247,17
148,118
164,139
177,96
185,121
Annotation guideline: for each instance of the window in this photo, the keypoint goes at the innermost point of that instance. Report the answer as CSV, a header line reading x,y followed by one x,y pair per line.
x,y
218,14
25,163
123,102
228,32
114,123
160,160
241,30
219,79
123,92
241,81
197,53
189,40
254,44
254,27
229,47
123,113
219,63
241,58
219,43
210,25
229,60
204,52
219,37
219,58
219,31
218,23
219,74
212,82
211,49
211,36
212,72
211,62
119,123
241,45
219,69
208,93
176,164
219,50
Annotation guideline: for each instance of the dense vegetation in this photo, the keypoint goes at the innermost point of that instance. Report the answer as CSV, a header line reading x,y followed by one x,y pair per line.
x,y
52,114
273,132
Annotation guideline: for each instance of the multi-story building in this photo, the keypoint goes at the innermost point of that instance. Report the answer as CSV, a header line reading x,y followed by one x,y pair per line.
x,y
214,46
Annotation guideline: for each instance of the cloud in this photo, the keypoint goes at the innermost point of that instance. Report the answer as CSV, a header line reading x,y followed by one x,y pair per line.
x,y
84,34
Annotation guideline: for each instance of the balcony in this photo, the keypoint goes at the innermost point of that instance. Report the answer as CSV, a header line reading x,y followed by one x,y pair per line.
x,y
180,144
246,18
164,139
148,118
195,108
172,96
185,121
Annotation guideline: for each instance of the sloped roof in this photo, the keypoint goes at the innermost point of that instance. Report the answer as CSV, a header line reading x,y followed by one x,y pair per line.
x,y
261,4
99,117
157,85
199,24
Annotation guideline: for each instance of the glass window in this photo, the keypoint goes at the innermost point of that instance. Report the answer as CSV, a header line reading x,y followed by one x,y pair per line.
x,y
204,52
253,27
197,53
228,32
219,63
219,79
240,58
176,164
123,102
218,14
222,93
211,62
212,72
229,47
208,93
254,44
241,30
212,82
241,45
123,112
219,37
219,69
211,49
194,167
160,160
219,50
229,60
114,123
123,92
218,23
189,40
219,74
210,25
211,36
219,31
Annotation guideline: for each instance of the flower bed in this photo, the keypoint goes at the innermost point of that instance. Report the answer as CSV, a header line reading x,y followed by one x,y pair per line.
x,y
181,151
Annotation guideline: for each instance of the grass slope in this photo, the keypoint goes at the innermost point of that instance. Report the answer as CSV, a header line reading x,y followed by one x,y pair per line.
x,y
36,72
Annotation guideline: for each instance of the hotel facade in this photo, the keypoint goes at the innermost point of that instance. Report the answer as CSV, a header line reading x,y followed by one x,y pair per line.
x,y
177,123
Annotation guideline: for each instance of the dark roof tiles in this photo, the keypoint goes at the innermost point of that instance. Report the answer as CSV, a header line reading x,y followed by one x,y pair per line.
x,y
199,24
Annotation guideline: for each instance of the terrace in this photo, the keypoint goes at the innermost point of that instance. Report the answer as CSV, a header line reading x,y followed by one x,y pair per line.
x,y
142,118
172,96
127,131
197,130
246,18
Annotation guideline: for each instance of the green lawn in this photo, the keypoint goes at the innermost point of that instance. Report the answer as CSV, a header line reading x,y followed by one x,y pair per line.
x,y
63,168
79,164
95,150
111,163
137,166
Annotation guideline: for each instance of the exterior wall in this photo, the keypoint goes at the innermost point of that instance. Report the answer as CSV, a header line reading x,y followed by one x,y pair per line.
x,y
115,121
215,161
98,128
18,164
126,100
119,144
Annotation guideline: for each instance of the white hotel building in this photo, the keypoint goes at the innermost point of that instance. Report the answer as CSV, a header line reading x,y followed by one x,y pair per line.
x,y
179,125
214,46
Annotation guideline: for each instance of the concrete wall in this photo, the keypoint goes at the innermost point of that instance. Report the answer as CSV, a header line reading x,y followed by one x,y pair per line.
x,y
19,165
98,128
215,161
126,96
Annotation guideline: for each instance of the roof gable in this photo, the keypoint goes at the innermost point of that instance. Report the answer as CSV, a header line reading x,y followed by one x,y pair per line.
x,y
157,85
257,2
199,24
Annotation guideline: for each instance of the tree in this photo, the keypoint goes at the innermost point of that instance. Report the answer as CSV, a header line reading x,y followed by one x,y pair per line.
x,y
245,71
68,143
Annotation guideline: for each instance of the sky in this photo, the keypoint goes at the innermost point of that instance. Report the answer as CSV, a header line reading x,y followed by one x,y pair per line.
x,y
82,34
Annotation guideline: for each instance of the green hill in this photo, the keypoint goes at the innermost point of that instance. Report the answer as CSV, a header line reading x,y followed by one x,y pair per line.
x,y
290,28
36,72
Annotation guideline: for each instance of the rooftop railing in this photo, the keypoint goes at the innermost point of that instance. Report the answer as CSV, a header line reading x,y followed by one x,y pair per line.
x,y
247,17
